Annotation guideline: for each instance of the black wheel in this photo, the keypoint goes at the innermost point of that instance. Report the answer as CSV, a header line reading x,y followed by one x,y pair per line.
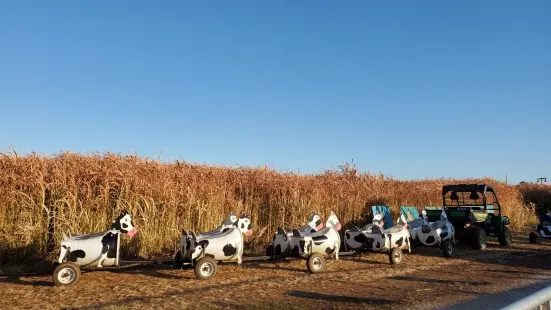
x,y
270,250
205,268
478,238
533,237
315,263
506,238
447,248
178,261
66,274
396,256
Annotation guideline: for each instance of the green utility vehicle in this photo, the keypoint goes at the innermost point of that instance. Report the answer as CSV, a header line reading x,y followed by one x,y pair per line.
x,y
475,213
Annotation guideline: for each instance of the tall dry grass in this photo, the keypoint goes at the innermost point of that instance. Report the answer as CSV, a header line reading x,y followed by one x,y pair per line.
x,y
43,196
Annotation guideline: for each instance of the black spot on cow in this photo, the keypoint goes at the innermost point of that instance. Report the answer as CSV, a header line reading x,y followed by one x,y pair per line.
x,y
273,239
226,229
76,254
229,250
361,238
295,249
302,244
430,239
319,238
347,235
109,245
329,250
378,245
400,241
369,242
278,249
285,238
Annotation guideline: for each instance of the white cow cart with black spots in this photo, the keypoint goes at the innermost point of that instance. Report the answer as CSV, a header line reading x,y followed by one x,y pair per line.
x,y
91,251
203,251
436,233
317,245
374,238
281,242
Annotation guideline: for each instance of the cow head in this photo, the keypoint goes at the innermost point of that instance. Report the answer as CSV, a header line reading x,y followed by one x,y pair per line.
x,y
424,215
124,224
333,221
402,221
229,220
378,220
244,224
315,221
443,215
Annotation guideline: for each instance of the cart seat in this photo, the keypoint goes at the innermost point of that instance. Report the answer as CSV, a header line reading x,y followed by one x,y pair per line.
x,y
438,224
319,233
376,230
416,223
394,229
87,237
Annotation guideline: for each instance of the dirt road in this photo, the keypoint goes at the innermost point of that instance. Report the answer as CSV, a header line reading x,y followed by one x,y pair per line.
x,y
471,279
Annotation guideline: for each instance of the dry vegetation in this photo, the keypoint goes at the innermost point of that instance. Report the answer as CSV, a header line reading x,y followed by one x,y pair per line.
x,y
41,197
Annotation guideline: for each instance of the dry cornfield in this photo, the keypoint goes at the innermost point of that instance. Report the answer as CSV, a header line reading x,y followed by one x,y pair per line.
x,y
42,197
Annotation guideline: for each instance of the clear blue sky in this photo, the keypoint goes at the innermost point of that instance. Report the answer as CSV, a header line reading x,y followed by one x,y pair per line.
x,y
411,88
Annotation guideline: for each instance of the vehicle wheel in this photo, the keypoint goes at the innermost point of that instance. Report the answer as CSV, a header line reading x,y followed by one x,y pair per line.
x,y
178,259
478,241
315,263
205,268
447,248
396,256
270,251
533,237
506,238
66,274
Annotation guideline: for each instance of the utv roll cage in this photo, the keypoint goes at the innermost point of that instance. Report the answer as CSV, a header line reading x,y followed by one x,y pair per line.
x,y
458,195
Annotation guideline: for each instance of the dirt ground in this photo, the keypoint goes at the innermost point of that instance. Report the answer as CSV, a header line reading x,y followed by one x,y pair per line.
x,y
471,279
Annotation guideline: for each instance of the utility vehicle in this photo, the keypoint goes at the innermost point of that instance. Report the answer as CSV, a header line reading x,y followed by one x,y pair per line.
x,y
475,213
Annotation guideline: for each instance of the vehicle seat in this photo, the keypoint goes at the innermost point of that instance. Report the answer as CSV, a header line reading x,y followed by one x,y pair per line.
x,y
438,224
393,230
322,232
416,223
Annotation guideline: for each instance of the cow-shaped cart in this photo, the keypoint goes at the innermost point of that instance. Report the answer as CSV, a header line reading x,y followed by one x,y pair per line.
x,y
202,251
317,245
91,251
374,238
281,244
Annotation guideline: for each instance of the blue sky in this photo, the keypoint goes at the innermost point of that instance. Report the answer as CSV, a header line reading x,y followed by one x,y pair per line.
x,y
411,88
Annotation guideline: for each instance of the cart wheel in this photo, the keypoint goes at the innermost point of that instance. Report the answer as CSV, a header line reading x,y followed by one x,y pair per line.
x,y
447,248
396,256
533,237
66,274
205,268
315,263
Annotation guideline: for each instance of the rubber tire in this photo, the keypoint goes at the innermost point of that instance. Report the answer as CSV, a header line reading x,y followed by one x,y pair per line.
x,y
200,263
533,237
310,263
447,248
506,239
178,261
270,250
478,238
70,265
396,256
